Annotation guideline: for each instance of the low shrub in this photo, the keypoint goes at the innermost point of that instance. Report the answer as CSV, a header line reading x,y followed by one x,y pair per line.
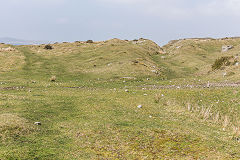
x,y
48,47
89,41
220,62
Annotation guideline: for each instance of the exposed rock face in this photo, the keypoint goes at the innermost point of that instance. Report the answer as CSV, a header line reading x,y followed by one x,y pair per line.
x,y
7,49
227,48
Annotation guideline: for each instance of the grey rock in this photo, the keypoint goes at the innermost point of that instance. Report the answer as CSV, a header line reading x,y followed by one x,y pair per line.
x,y
38,123
226,48
139,106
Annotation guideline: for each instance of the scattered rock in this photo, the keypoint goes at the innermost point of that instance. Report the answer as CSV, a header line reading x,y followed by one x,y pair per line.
x,y
139,106
227,48
38,123
224,74
237,139
8,49
178,47
128,78
154,71
208,84
53,79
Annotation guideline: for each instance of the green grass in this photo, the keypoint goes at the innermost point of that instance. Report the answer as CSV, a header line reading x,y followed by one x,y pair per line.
x,y
87,114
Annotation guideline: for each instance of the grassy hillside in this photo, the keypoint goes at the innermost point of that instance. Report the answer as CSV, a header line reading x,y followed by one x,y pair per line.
x,y
109,59
195,57
119,99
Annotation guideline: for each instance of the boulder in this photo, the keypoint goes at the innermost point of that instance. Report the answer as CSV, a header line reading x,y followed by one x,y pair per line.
x,y
226,48
38,123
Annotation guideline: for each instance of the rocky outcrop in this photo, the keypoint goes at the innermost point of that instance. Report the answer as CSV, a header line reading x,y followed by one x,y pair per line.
x,y
8,49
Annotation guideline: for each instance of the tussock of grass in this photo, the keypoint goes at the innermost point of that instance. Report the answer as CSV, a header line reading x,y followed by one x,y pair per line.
x,y
12,127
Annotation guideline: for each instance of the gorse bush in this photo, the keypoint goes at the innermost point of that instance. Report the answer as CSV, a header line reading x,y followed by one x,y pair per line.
x,y
48,46
220,62
89,41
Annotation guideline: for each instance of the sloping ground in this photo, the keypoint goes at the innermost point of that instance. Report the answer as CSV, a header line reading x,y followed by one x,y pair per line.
x,y
90,112
108,59
187,58
96,123
195,57
10,58
120,58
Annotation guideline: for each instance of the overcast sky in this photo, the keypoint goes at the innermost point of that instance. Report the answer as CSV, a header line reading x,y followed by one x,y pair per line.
x,y
159,20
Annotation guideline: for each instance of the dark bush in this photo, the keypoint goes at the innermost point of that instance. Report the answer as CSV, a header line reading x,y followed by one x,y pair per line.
x,y
48,46
135,61
220,62
89,41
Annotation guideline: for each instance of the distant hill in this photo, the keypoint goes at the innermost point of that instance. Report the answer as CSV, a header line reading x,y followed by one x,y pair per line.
x,y
14,41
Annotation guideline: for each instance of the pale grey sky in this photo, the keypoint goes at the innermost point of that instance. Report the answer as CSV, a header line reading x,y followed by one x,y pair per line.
x,y
159,20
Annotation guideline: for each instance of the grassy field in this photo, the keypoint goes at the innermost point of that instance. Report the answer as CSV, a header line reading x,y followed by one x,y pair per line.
x,y
91,110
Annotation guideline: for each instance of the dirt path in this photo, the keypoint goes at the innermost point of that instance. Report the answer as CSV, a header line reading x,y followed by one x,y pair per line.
x,y
210,85
12,88
149,87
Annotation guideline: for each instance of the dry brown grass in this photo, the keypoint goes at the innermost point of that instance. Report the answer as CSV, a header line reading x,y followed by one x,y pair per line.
x,y
236,130
225,122
11,61
209,115
157,98
12,125
216,117
8,119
